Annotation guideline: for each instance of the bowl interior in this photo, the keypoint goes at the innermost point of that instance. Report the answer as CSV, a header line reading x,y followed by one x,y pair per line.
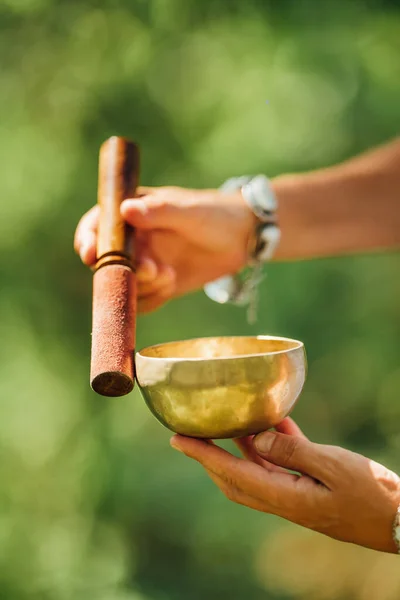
x,y
220,347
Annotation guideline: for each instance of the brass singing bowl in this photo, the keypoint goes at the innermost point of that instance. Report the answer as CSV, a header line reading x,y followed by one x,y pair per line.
x,y
222,387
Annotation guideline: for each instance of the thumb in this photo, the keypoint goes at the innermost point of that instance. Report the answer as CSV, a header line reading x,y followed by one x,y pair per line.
x,y
296,454
161,210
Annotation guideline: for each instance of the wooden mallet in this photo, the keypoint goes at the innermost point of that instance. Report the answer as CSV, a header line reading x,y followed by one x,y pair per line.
x,y
114,281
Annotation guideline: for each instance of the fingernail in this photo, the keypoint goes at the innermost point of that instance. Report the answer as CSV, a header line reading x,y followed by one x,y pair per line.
x,y
263,442
146,270
174,446
137,205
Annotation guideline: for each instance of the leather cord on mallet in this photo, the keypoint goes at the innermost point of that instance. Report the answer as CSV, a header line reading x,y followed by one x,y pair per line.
x,y
114,281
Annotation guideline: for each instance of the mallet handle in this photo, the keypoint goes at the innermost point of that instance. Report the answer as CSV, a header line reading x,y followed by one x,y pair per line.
x,y
114,280
118,180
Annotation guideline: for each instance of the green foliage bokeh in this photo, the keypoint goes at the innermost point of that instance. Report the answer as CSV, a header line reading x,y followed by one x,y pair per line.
x,y
93,503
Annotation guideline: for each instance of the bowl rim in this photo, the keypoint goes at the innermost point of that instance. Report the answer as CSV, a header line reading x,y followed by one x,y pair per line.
x,y
299,345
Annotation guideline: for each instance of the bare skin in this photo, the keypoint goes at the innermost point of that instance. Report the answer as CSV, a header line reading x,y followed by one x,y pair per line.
x,y
189,237
339,493
184,239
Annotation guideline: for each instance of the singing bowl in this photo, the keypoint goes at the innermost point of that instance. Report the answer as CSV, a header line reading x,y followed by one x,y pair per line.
x,y
222,387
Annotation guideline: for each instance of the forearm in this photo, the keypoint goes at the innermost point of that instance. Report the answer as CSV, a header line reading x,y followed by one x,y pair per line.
x,y
350,208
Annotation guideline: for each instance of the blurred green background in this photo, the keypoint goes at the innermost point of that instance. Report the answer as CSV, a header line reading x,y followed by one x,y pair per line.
x,y
93,502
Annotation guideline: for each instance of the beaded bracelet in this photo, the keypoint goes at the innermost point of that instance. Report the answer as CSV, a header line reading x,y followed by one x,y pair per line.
x,y
241,288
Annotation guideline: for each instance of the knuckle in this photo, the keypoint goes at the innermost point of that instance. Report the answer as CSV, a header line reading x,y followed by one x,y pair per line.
x,y
388,479
340,462
157,204
231,493
287,447
229,479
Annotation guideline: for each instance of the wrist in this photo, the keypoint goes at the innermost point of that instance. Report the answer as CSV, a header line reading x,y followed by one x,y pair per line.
x,y
384,533
292,215
396,526
249,222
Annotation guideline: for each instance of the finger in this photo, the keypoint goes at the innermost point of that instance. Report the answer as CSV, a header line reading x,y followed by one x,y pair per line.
x,y
144,190
299,454
165,279
275,489
153,295
289,427
89,222
236,495
245,445
85,236
152,303
146,270
164,209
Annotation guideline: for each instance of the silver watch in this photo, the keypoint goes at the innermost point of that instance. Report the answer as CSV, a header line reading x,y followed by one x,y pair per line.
x,y
241,288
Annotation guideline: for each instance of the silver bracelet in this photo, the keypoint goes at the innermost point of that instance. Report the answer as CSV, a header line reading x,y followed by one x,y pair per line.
x,y
396,529
241,289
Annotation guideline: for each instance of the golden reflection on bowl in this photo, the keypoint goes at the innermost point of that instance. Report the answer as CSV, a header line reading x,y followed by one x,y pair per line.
x,y
222,387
